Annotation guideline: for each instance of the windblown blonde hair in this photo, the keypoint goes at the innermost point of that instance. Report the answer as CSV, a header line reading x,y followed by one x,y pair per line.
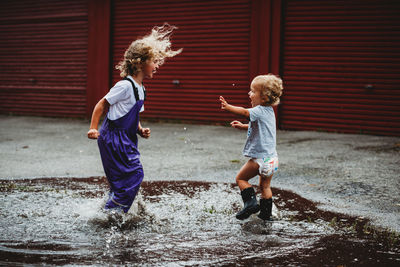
x,y
154,46
270,87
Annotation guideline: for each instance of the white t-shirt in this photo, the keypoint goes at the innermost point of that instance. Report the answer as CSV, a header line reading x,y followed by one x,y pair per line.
x,y
122,98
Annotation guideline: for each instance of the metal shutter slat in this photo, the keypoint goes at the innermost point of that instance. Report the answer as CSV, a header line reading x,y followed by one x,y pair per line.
x,y
215,36
43,57
332,51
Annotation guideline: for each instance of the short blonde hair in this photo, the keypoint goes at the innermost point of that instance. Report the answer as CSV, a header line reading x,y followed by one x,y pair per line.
x,y
154,46
270,87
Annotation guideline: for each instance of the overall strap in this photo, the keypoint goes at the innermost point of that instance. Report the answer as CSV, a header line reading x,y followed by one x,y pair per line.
x,y
135,90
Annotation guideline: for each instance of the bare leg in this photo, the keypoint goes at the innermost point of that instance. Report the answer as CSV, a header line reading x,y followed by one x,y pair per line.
x,y
265,185
248,171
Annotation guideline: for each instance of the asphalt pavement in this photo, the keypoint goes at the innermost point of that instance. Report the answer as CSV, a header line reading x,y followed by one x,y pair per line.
x,y
354,174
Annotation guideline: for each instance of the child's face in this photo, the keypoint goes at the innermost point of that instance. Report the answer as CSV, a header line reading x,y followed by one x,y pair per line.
x,y
255,96
150,68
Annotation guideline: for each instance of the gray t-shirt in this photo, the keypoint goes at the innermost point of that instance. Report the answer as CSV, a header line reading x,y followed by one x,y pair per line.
x,y
261,136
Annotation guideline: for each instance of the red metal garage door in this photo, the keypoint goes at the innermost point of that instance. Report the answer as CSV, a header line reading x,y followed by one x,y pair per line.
x,y
341,66
43,57
215,36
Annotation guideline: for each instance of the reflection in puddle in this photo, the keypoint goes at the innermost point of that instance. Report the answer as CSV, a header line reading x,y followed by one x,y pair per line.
x,y
61,221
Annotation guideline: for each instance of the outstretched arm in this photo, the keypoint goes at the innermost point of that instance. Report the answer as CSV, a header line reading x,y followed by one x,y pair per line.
x,y
234,109
99,109
239,125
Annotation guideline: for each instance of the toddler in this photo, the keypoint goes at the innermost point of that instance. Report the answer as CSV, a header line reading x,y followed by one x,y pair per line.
x,y
260,147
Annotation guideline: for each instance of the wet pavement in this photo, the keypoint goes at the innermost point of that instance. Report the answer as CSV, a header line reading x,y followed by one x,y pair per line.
x,y
180,223
353,178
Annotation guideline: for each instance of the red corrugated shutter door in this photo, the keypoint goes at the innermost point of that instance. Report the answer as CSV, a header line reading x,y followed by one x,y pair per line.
x,y
215,36
341,66
43,57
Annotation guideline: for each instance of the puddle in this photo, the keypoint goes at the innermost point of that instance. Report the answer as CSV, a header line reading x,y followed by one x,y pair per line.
x,y
60,221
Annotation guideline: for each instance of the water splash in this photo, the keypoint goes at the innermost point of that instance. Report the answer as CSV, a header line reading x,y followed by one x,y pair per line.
x,y
62,221
138,216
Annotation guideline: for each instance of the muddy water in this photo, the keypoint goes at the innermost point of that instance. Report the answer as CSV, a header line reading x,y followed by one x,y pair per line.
x,y
61,221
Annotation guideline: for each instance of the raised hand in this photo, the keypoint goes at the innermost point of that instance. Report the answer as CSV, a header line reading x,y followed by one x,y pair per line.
x,y
223,102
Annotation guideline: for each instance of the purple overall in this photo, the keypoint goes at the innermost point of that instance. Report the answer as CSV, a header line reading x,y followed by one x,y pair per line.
x,y
120,157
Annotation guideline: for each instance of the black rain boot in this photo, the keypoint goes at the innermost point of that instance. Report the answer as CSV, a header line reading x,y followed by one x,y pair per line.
x,y
250,204
265,209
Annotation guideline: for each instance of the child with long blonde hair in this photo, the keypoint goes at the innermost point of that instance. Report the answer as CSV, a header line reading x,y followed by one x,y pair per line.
x,y
260,147
117,138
